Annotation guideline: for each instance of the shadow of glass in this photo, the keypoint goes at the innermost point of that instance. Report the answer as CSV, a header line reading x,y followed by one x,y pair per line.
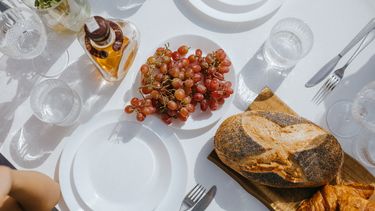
x,y
255,75
19,77
208,23
34,142
117,8
230,195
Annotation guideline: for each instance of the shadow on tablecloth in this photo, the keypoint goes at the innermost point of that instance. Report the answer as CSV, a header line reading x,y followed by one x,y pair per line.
x,y
36,140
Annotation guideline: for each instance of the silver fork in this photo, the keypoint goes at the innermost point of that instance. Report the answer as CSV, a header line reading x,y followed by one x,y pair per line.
x,y
331,83
192,197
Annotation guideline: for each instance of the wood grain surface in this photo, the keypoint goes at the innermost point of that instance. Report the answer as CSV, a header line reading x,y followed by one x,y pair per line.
x,y
288,199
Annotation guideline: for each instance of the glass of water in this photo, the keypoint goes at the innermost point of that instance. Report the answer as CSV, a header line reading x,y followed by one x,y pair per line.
x,y
53,101
290,40
22,33
347,119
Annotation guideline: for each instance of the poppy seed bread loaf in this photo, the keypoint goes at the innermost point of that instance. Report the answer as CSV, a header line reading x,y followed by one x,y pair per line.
x,y
278,149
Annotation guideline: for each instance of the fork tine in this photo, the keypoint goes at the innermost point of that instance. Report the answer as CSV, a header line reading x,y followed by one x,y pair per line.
x,y
332,86
320,92
199,196
196,192
193,191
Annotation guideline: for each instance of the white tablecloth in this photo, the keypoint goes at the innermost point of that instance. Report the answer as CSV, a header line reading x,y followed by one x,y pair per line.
x,y
333,22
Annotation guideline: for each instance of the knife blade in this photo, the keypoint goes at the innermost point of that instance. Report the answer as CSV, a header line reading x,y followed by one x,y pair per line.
x,y
328,68
206,200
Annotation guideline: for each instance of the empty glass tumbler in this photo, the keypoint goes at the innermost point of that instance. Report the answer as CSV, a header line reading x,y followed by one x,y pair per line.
x,y
53,101
290,40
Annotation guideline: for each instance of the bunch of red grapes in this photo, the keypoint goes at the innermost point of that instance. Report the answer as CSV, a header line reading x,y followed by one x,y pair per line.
x,y
174,83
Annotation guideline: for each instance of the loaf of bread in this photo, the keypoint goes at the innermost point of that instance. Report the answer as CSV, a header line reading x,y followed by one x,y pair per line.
x,y
278,149
341,197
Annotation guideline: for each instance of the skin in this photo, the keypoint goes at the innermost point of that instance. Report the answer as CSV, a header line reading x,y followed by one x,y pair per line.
x,y
27,191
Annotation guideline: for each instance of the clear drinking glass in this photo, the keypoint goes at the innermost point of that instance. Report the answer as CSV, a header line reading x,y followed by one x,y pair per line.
x,y
345,119
290,40
22,34
53,101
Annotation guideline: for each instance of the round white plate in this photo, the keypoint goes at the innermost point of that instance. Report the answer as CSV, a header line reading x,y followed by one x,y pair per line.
x,y
120,166
177,187
259,13
234,6
198,119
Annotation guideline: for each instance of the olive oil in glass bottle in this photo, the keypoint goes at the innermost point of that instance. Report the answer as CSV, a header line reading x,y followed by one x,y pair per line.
x,y
111,44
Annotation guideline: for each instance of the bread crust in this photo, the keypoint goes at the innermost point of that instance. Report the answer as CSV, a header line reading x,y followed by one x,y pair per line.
x,y
262,147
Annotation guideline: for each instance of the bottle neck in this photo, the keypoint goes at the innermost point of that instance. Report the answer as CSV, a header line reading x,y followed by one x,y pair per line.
x,y
105,43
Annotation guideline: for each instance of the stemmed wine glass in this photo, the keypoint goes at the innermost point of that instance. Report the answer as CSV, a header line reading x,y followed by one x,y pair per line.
x,y
347,119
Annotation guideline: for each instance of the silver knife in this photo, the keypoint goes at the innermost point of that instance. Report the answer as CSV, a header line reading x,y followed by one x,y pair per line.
x,y
327,69
206,200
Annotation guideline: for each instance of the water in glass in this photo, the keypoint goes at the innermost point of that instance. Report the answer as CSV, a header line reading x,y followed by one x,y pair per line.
x,y
290,40
55,102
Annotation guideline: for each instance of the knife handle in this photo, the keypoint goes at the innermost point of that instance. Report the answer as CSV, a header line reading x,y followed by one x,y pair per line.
x,y
370,26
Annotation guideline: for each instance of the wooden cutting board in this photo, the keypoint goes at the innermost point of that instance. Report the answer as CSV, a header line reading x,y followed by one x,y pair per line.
x,y
280,198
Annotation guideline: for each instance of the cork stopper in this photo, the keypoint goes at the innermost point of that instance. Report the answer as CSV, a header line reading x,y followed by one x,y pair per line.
x,y
97,29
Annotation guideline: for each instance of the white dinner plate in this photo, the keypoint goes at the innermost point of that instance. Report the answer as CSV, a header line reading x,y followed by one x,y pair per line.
x,y
178,166
234,6
120,166
260,12
198,119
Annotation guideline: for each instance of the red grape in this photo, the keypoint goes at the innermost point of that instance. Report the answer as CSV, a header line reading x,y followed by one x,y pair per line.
x,y
135,102
179,94
189,73
185,62
223,69
198,52
198,97
217,94
182,50
144,69
166,119
190,108
151,60
184,111
196,68
189,83
214,85
221,101
174,72
186,100
164,68
176,56
213,104
226,62
204,105
177,83
172,105
192,58
197,77
167,59
129,109
140,117
201,88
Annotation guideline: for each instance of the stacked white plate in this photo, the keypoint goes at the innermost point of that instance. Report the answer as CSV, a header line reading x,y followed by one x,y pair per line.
x,y
237,11
113,163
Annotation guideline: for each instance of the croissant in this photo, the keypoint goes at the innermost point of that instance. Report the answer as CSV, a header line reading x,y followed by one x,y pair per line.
x,y
341,197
